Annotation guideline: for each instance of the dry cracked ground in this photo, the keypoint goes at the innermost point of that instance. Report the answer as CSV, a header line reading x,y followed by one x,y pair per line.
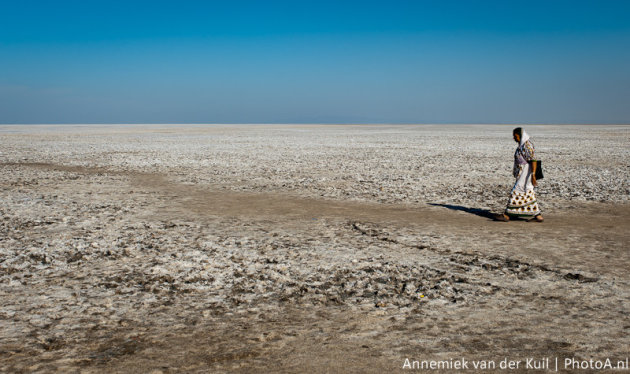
x,y
306,248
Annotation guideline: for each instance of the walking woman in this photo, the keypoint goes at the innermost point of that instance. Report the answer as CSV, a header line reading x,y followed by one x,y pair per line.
x,y
523,202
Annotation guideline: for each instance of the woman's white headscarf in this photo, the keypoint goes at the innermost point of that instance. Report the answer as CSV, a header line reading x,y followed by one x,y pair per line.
x,y
524,138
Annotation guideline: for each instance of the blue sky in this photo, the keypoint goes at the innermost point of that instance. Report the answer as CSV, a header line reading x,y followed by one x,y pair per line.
x,y
315,61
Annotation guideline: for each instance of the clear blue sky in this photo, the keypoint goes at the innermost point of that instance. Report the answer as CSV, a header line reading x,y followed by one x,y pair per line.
x,y
315,61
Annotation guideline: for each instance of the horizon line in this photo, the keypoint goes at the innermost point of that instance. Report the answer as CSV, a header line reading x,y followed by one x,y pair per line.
x,y
318,123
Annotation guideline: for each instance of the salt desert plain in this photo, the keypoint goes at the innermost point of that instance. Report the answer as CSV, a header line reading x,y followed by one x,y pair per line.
x,y
306,248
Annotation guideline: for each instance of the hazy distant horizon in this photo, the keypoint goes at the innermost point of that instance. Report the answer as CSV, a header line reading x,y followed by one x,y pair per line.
x,y
321,123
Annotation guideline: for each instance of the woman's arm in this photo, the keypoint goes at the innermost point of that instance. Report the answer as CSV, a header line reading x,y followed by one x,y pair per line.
x,y
528,153
534,167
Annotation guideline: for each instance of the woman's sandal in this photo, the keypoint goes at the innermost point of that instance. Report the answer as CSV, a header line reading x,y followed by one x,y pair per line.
x,y
501,218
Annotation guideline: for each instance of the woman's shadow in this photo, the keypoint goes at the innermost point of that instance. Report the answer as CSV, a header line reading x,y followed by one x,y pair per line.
x,y
478,212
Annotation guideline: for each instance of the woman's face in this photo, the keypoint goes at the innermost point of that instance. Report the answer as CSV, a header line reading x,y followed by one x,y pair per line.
x,y
517,138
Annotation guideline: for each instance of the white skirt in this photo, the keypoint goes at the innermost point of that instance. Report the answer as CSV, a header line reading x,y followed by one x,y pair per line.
x,y
523,201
